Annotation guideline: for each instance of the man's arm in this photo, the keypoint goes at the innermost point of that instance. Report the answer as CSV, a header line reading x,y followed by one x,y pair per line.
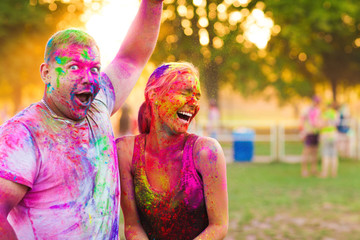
x,y
135,51
11,194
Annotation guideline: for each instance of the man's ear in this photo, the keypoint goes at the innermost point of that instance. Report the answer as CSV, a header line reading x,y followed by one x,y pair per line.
x,y
44,72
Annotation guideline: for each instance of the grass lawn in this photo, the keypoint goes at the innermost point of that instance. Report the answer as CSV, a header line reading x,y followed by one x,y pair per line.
x,y
272,201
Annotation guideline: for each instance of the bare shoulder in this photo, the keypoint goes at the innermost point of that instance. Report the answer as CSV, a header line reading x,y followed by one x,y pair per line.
x,y
206,145
207,150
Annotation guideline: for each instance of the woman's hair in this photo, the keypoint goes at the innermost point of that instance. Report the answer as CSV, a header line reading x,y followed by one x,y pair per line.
x,y
67,37
160,82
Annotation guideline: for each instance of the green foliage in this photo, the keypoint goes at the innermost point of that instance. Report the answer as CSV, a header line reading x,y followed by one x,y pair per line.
x,y
25,26
315,45
325,31
217,63
17,16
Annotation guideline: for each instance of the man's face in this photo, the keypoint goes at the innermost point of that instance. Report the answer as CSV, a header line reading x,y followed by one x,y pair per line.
x,y
72,80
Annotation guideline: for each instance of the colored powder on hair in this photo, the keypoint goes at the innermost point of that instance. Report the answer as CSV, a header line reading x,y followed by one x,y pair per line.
x,y
160,71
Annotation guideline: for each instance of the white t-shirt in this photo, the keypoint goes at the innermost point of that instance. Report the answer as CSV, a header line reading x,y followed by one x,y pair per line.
x,y
71,169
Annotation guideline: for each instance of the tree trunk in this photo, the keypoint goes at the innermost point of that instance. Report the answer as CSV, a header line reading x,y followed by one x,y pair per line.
x,y
333,82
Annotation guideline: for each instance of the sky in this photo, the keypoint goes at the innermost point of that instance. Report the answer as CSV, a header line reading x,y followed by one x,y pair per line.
x,y
110,26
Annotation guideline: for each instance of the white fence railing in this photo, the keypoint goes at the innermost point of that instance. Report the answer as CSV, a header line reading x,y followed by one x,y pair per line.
x,y
278,135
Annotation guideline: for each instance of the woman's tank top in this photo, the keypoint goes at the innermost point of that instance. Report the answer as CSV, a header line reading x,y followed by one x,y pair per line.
x,y
179,213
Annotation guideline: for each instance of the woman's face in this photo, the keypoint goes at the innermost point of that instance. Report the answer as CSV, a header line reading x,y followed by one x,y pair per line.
x,y
179,105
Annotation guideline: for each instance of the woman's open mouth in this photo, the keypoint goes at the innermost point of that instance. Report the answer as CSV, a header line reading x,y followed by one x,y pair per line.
x,y
186,116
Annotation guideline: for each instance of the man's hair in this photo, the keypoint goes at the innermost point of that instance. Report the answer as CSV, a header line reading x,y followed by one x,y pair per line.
x,y
67,37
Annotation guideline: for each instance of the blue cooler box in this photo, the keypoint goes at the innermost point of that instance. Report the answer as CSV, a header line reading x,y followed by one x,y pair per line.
x,y
243,144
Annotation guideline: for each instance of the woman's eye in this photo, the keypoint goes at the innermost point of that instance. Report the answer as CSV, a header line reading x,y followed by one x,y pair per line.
x,y
74,67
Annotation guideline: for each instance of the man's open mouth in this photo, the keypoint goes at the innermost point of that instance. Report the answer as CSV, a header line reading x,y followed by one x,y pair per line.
x,y
184,115
84,97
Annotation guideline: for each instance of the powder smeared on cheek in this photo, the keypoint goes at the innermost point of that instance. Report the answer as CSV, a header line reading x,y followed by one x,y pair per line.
x,y
49,88
59,73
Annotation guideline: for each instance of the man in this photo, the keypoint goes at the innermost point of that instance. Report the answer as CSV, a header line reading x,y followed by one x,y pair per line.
x,y
58,166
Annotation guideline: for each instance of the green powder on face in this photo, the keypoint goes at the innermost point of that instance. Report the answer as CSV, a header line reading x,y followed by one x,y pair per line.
x,y
59,72
85,55
62,60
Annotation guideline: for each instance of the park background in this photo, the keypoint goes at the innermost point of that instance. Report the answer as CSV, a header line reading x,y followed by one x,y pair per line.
x,y
259,61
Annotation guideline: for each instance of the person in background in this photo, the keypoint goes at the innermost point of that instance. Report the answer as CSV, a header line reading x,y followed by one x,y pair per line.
x,y
344,130
213,119
173,183
309,130
328,136
125,121
58,164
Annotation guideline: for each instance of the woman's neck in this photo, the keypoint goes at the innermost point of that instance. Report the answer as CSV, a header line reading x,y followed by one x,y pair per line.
x,y
159,141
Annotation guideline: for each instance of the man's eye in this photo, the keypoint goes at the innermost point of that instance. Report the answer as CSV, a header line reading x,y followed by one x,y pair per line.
x,y
74,67
95,70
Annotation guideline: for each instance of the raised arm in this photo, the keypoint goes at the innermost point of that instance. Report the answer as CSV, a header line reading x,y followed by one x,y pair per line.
x,y
135,50
210,162
10,195
132,225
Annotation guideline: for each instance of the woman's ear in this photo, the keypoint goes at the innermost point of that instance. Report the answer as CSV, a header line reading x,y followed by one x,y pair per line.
x,y
44,72
153,96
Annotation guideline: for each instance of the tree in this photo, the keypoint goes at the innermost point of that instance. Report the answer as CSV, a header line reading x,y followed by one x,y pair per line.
x,y
208,34
319,42
312,42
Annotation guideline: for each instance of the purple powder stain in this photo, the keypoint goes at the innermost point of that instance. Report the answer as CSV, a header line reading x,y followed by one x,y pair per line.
x,y
160,71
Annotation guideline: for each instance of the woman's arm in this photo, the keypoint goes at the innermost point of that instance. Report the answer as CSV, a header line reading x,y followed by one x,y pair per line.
x,y
210,162
132,225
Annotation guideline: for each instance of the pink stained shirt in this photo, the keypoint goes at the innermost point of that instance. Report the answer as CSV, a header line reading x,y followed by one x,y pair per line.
x,y
71,169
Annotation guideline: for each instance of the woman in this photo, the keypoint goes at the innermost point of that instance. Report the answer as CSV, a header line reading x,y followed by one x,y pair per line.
x,y
173,184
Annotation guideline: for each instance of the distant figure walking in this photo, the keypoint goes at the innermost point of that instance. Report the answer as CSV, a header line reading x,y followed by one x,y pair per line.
x,y
344,131
125,121
213,119
309,128
328,134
